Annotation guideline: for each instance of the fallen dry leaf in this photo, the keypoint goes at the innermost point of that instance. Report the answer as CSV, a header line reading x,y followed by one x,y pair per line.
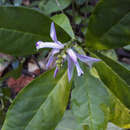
x,y
19,83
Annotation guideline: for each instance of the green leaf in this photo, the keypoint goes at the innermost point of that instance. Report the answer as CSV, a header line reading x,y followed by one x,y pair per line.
x,y
127,47
63,21
127,66
50,6
68,122
119,115
110,53
90,102
93,104
80,2
116,67
113,127
40,105
109,25
115,78
2,115
21,28
17,2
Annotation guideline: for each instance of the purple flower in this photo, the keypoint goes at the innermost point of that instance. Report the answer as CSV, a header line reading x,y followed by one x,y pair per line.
x,y
56,71
87,59
72,56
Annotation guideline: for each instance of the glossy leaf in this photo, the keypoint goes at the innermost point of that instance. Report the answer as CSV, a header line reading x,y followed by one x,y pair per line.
x,y
80,2
109,25
127,47
119,114
63,21
50,6
17,2
116,67
90,102
21,28
111,54
93,104
40,105
113,127
68,122
127,66
114,80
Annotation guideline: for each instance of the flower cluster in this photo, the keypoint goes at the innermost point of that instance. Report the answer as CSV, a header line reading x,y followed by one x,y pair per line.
x,y
66,52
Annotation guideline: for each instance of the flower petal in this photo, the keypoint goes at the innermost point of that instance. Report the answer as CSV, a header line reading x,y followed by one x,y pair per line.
x,y
53,35
51,58
70,68
53,32
41,44
58,42
55,51
87,59
79,70
56,71
72,55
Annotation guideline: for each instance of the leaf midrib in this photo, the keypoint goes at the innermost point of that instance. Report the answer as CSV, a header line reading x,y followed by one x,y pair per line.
x,y
45,100
28,9
18,31
89,108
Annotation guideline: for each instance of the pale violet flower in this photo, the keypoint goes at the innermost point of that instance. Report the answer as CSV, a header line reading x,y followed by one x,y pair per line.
x,y
71,55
